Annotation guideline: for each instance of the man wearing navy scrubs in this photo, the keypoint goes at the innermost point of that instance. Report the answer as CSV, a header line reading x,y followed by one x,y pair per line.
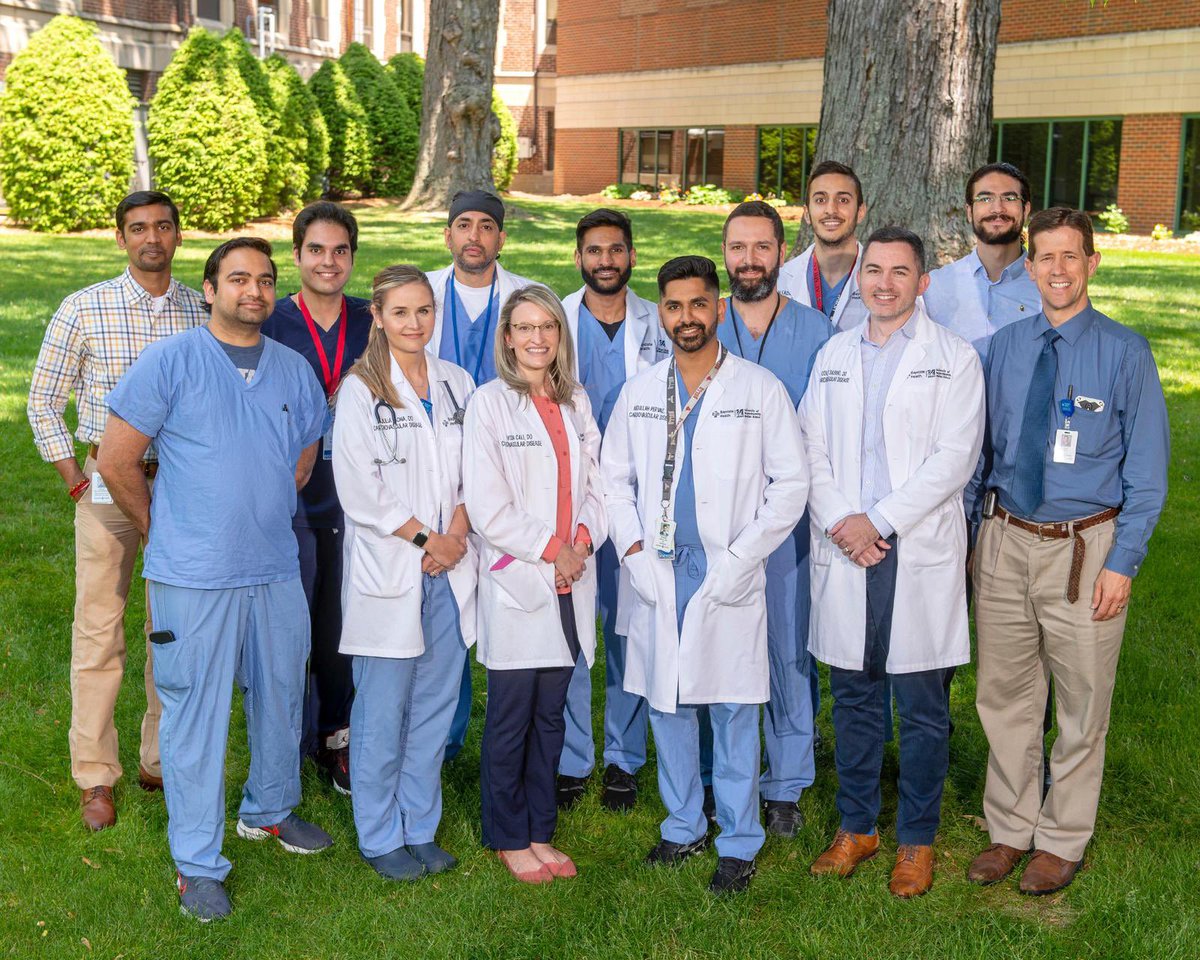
x,y
329,330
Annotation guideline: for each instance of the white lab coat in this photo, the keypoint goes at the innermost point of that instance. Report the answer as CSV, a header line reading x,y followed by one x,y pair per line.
x,y
510,480
381,577
933,422
751,482
506,284
793,283
645,341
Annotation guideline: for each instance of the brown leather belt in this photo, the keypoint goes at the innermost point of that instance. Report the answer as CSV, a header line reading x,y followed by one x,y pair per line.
x,y
149,467
1063,530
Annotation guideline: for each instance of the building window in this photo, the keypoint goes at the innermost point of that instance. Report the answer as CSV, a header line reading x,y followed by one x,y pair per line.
x,y
548,164
1189,178
551,22
1070,163
209,10
705,157
785,156
320,19
404,14
139,83
364,20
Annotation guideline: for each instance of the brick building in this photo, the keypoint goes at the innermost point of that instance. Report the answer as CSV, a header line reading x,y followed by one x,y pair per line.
x,y
1098,103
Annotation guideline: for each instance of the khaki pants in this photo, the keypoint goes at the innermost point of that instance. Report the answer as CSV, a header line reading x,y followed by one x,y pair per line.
x,y
106,546
1027,630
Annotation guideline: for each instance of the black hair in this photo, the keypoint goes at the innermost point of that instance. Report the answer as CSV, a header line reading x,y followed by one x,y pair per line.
x,y
327,212
687,268
1005,168
756,208
604,217
898,235
832,166
213,265
1054,217
145,198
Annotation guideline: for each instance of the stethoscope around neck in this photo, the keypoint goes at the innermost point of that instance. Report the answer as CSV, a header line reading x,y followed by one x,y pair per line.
x,y
385,417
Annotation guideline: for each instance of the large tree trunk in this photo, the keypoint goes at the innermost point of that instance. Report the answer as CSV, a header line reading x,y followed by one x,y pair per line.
x,y
907,102
458,128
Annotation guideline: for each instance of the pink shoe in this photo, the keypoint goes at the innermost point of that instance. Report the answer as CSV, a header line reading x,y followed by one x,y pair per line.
x,y
564,869
541,875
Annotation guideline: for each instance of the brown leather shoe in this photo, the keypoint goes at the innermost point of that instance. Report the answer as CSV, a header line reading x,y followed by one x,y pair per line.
x,y
1046,873
846,852
148,781
97,808
912,876
994,864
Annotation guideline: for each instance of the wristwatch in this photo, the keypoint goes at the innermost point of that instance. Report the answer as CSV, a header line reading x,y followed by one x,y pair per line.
x,y
421,537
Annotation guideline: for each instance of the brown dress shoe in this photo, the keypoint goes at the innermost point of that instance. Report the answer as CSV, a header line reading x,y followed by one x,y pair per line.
x,y
1046,873
913,874
994,864
846,852
148,781
97,808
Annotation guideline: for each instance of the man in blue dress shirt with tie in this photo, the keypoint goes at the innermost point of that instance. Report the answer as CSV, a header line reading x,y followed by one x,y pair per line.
x,y
1074,476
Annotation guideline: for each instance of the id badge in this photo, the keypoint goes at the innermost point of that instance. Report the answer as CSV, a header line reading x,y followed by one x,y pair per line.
x,y
664,540
327,446
1065,442
100,492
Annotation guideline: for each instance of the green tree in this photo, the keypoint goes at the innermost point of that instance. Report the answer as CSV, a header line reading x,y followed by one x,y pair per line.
x,y
408,70
303,127
393,128
349,135
66,130
504,153
254,75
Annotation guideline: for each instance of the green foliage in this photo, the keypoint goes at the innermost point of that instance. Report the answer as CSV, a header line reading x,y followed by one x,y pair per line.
x,y
254,75
670,195
1161,232
408,71
206,140
708,194
504,153
349,134
1113,219
393,129
66,130
620,191
302,127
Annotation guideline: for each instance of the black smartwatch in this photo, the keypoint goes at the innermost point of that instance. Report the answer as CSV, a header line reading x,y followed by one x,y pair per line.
x,y
421,537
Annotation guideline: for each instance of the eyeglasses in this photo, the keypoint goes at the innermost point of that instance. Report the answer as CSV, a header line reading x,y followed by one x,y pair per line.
x,y
986,199
526,330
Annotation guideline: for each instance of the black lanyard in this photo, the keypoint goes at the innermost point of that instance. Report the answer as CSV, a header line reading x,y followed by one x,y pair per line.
x,y
766,333
674,425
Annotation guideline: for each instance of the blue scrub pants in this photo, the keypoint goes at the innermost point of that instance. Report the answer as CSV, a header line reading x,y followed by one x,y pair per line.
x,y
330,687
257,636
788,727
626,722
462,715
860,713
402,712
735,752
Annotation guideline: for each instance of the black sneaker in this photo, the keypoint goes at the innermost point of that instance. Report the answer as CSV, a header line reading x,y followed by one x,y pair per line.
x,y
732,875
783,817
670,854
333,757
203,898
568,790
620,789
710,806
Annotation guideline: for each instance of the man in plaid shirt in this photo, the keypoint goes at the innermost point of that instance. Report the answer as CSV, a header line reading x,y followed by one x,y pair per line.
x,y
90,342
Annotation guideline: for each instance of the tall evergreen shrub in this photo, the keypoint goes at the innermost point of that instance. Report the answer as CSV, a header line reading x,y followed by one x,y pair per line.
x,y
349,134
302,126
393,129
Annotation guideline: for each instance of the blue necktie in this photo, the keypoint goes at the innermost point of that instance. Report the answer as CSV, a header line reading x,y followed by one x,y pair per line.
x,y
1029,473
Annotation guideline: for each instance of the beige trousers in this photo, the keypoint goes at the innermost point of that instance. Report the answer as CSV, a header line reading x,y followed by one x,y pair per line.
x,y
1026,631
106,546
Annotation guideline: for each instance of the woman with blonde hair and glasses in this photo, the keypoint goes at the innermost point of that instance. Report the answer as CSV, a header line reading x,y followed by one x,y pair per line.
x,y
408,592
532,486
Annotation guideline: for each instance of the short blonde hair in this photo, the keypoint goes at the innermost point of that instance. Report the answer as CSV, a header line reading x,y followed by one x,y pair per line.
x,y
560,378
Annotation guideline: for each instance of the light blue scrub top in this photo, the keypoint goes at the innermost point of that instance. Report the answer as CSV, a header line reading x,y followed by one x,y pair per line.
x,y
601,364
475,351
829,295
790,345
221,515
687,532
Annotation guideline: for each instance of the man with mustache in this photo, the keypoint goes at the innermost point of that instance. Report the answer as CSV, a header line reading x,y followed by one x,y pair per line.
x,y
616,333
783,336
237,419
825,276
89,344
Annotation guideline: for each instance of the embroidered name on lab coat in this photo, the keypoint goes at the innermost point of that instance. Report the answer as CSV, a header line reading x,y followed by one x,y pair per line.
x,y
403,422
738,413
933,373
835,376
520,440
644,411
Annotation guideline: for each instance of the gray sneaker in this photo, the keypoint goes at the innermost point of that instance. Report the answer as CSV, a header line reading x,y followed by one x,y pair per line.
x,y
294,835
203,898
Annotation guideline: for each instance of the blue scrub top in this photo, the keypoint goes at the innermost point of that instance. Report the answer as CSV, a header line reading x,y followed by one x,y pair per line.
x,y
318,505
221,515
475,351
790,346
830,295
601,364
687,532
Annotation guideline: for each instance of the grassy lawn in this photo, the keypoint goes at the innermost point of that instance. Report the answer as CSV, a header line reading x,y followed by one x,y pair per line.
x,y
64,893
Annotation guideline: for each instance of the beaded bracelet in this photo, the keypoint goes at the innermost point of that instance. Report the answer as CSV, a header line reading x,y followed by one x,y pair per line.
x,y
79,488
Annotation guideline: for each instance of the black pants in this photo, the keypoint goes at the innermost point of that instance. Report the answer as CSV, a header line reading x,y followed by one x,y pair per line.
x,y
330,688
523,733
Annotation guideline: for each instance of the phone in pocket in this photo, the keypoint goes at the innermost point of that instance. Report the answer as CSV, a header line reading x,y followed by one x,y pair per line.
x,y
162,636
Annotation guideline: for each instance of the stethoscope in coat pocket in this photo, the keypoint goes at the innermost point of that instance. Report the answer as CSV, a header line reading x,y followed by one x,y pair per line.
x,y
390,427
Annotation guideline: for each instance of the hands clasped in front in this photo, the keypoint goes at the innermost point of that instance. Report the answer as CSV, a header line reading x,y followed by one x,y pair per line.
x,y
858,540
443,551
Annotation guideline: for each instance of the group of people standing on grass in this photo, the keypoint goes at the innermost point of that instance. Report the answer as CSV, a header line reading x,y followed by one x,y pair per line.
x,y
340,497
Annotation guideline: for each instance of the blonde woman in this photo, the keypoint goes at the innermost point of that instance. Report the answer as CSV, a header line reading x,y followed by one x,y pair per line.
x,y
532,486
408,590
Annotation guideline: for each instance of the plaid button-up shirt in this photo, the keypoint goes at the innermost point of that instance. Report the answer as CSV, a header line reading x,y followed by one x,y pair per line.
x,y
91,341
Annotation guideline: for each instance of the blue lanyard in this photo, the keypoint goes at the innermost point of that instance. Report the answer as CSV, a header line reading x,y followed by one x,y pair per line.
x,y
487,320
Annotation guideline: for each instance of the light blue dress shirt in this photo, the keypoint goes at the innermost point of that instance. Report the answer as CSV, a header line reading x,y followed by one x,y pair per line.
x,y
787,349
1123,446
962,298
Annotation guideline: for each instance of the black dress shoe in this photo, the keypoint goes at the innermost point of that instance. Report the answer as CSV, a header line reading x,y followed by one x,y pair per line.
x,y
620,789
710,806
568,790
672,854
783,817
732,875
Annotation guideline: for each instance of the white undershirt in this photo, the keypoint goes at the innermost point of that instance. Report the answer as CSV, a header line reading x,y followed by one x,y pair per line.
x,y
475,299
158,305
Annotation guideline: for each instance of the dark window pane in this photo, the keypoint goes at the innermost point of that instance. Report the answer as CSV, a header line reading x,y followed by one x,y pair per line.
x,y
715,164
1189,202
649,139
1066,163
694,160
208,9
665,153
1025,147
994,143
1104,157
549,140
768,160
795,161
